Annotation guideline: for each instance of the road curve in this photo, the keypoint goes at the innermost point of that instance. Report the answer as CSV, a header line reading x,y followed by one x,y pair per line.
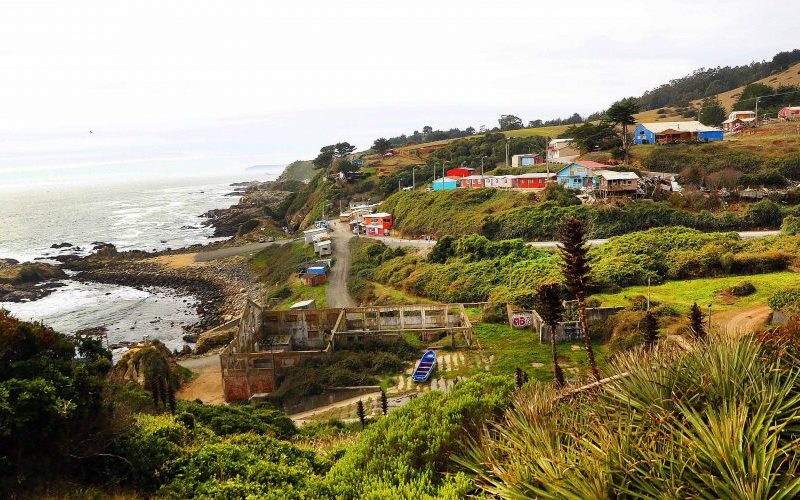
x,y
224,252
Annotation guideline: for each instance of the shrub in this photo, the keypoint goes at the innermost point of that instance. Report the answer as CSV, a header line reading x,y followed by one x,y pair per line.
x,y
791,225
743,289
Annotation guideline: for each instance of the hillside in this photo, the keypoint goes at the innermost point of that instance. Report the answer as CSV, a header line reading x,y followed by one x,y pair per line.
x,y
789,76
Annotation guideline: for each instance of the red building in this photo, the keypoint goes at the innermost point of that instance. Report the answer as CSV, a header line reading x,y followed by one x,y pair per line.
x,y
472,182
314,279
532,181
378,224
790,113
460,172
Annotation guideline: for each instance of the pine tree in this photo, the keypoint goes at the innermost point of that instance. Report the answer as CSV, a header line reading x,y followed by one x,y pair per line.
x,y
552,313
575,268
650,330
362,415
384,403
173,404
696,324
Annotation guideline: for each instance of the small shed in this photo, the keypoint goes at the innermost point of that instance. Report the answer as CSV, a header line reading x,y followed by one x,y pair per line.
x,y
526,160
310,279
323,248
309,234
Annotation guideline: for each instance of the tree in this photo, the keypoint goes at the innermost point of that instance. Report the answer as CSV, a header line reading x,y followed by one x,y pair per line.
x,y
325,156
593,137
696,324
510,122
427,129
470,130
575,268
650,330
711,112
362,415
621,113
343,149
535,123
551,310
381,145
384,403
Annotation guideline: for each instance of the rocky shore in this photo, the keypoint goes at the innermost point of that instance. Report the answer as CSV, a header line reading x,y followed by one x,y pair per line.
x,y
265,202
27,281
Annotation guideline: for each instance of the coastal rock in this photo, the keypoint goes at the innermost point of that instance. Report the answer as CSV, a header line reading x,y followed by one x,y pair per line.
x,y
27,281
61,245
214,339
143,361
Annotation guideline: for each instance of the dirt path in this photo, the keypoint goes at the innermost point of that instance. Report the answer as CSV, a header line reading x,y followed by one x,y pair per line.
x,y
207,385
222,253
336,295
740,321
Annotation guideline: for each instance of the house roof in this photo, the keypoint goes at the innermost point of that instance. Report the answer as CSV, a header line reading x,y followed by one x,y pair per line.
x,y
443,179
316,230
533,175
560,141
687,126
473,176
612,175
379,214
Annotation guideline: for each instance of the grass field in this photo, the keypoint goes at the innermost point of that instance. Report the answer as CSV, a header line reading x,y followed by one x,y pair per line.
x,y
682,294
509,349
553,131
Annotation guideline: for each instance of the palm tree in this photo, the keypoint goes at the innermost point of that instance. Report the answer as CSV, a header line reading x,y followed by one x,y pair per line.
x,y
575,268
552,312
621,113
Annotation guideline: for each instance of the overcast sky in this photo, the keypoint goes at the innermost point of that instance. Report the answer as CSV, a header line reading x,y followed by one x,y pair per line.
x,y
171,87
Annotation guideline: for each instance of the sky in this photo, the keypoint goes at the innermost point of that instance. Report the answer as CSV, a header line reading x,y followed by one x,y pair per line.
x,y
95,89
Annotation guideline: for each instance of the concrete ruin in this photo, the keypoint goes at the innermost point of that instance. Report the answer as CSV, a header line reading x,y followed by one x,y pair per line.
x,y
566,331
269,341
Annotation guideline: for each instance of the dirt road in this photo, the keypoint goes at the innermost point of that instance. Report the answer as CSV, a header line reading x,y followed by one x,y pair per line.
x,y
336,295
207,385
739,321
222,253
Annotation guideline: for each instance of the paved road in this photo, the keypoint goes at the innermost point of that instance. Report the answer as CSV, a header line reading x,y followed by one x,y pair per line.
x,y
336,295
247,248
417,243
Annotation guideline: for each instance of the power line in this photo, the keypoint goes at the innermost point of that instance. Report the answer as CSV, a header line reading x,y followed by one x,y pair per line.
x,y
767,95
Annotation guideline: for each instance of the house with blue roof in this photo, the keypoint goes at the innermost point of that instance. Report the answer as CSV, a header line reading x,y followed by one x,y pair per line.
x,y
675,132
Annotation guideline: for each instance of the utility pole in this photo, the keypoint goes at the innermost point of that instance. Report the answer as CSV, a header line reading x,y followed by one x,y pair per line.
x,y
413,171
709,318
508,149
757,98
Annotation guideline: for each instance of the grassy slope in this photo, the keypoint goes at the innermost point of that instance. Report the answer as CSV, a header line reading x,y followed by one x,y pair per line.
x,y
682,294
789,76
300,170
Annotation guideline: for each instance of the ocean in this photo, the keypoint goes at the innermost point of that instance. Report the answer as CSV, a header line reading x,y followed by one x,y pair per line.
x,y
144,215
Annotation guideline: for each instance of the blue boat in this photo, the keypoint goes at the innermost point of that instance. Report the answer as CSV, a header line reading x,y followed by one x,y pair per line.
x,y
425,367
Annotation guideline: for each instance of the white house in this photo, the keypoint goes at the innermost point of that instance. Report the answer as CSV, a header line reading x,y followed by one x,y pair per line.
x,y
309,234
562,151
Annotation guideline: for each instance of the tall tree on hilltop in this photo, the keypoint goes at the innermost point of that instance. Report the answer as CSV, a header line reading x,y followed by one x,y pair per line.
x,y
650,330
552,312
343,149
621,113
711,112
325,156
381,145
575,268
510,122
696,324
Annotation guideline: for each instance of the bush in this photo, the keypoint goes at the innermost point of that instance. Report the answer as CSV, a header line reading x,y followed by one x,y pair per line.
x,y
406,453
742,289
791,225
225,420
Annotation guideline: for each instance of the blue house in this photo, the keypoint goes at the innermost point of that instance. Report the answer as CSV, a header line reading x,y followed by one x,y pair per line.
x,y
674,132
579,175
445,184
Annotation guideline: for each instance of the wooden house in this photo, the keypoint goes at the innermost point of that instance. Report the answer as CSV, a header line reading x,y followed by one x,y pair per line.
x,y
536,181
378,224
579,175
675,132
611,183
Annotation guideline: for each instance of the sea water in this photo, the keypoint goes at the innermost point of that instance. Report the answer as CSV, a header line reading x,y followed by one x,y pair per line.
x,y
145,215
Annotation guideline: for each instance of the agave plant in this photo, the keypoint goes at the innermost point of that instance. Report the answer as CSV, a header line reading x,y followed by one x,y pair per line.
x,y
721,420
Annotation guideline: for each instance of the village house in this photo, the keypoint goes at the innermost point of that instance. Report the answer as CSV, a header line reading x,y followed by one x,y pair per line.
x,y
309,234
789,113
738,120
378,224
445,183
498,181
611,183
534,181
579,175
472,181
675,132
460,172
526,160
562,151
322,247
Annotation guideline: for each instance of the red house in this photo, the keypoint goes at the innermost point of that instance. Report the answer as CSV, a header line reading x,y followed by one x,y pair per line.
x,y
472,182
378,224
460,172
532,180
790,113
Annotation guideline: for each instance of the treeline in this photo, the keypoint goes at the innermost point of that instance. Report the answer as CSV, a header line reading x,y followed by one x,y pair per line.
x,y
770,99
491,147
711,81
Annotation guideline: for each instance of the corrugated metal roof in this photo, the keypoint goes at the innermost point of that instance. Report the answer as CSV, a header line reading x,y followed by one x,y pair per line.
x,y
687,126
379,214
612,175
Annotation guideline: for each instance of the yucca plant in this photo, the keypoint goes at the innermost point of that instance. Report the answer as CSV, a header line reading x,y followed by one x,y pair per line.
x,y
721,420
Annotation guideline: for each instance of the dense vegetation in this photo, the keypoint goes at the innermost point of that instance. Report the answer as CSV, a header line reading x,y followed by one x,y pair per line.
x,y
472,268
491,147
706,82
499,214
716,420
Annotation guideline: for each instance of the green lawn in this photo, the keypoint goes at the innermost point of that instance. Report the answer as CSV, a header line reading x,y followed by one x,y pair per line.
x,y
521,348
683,294
553,131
